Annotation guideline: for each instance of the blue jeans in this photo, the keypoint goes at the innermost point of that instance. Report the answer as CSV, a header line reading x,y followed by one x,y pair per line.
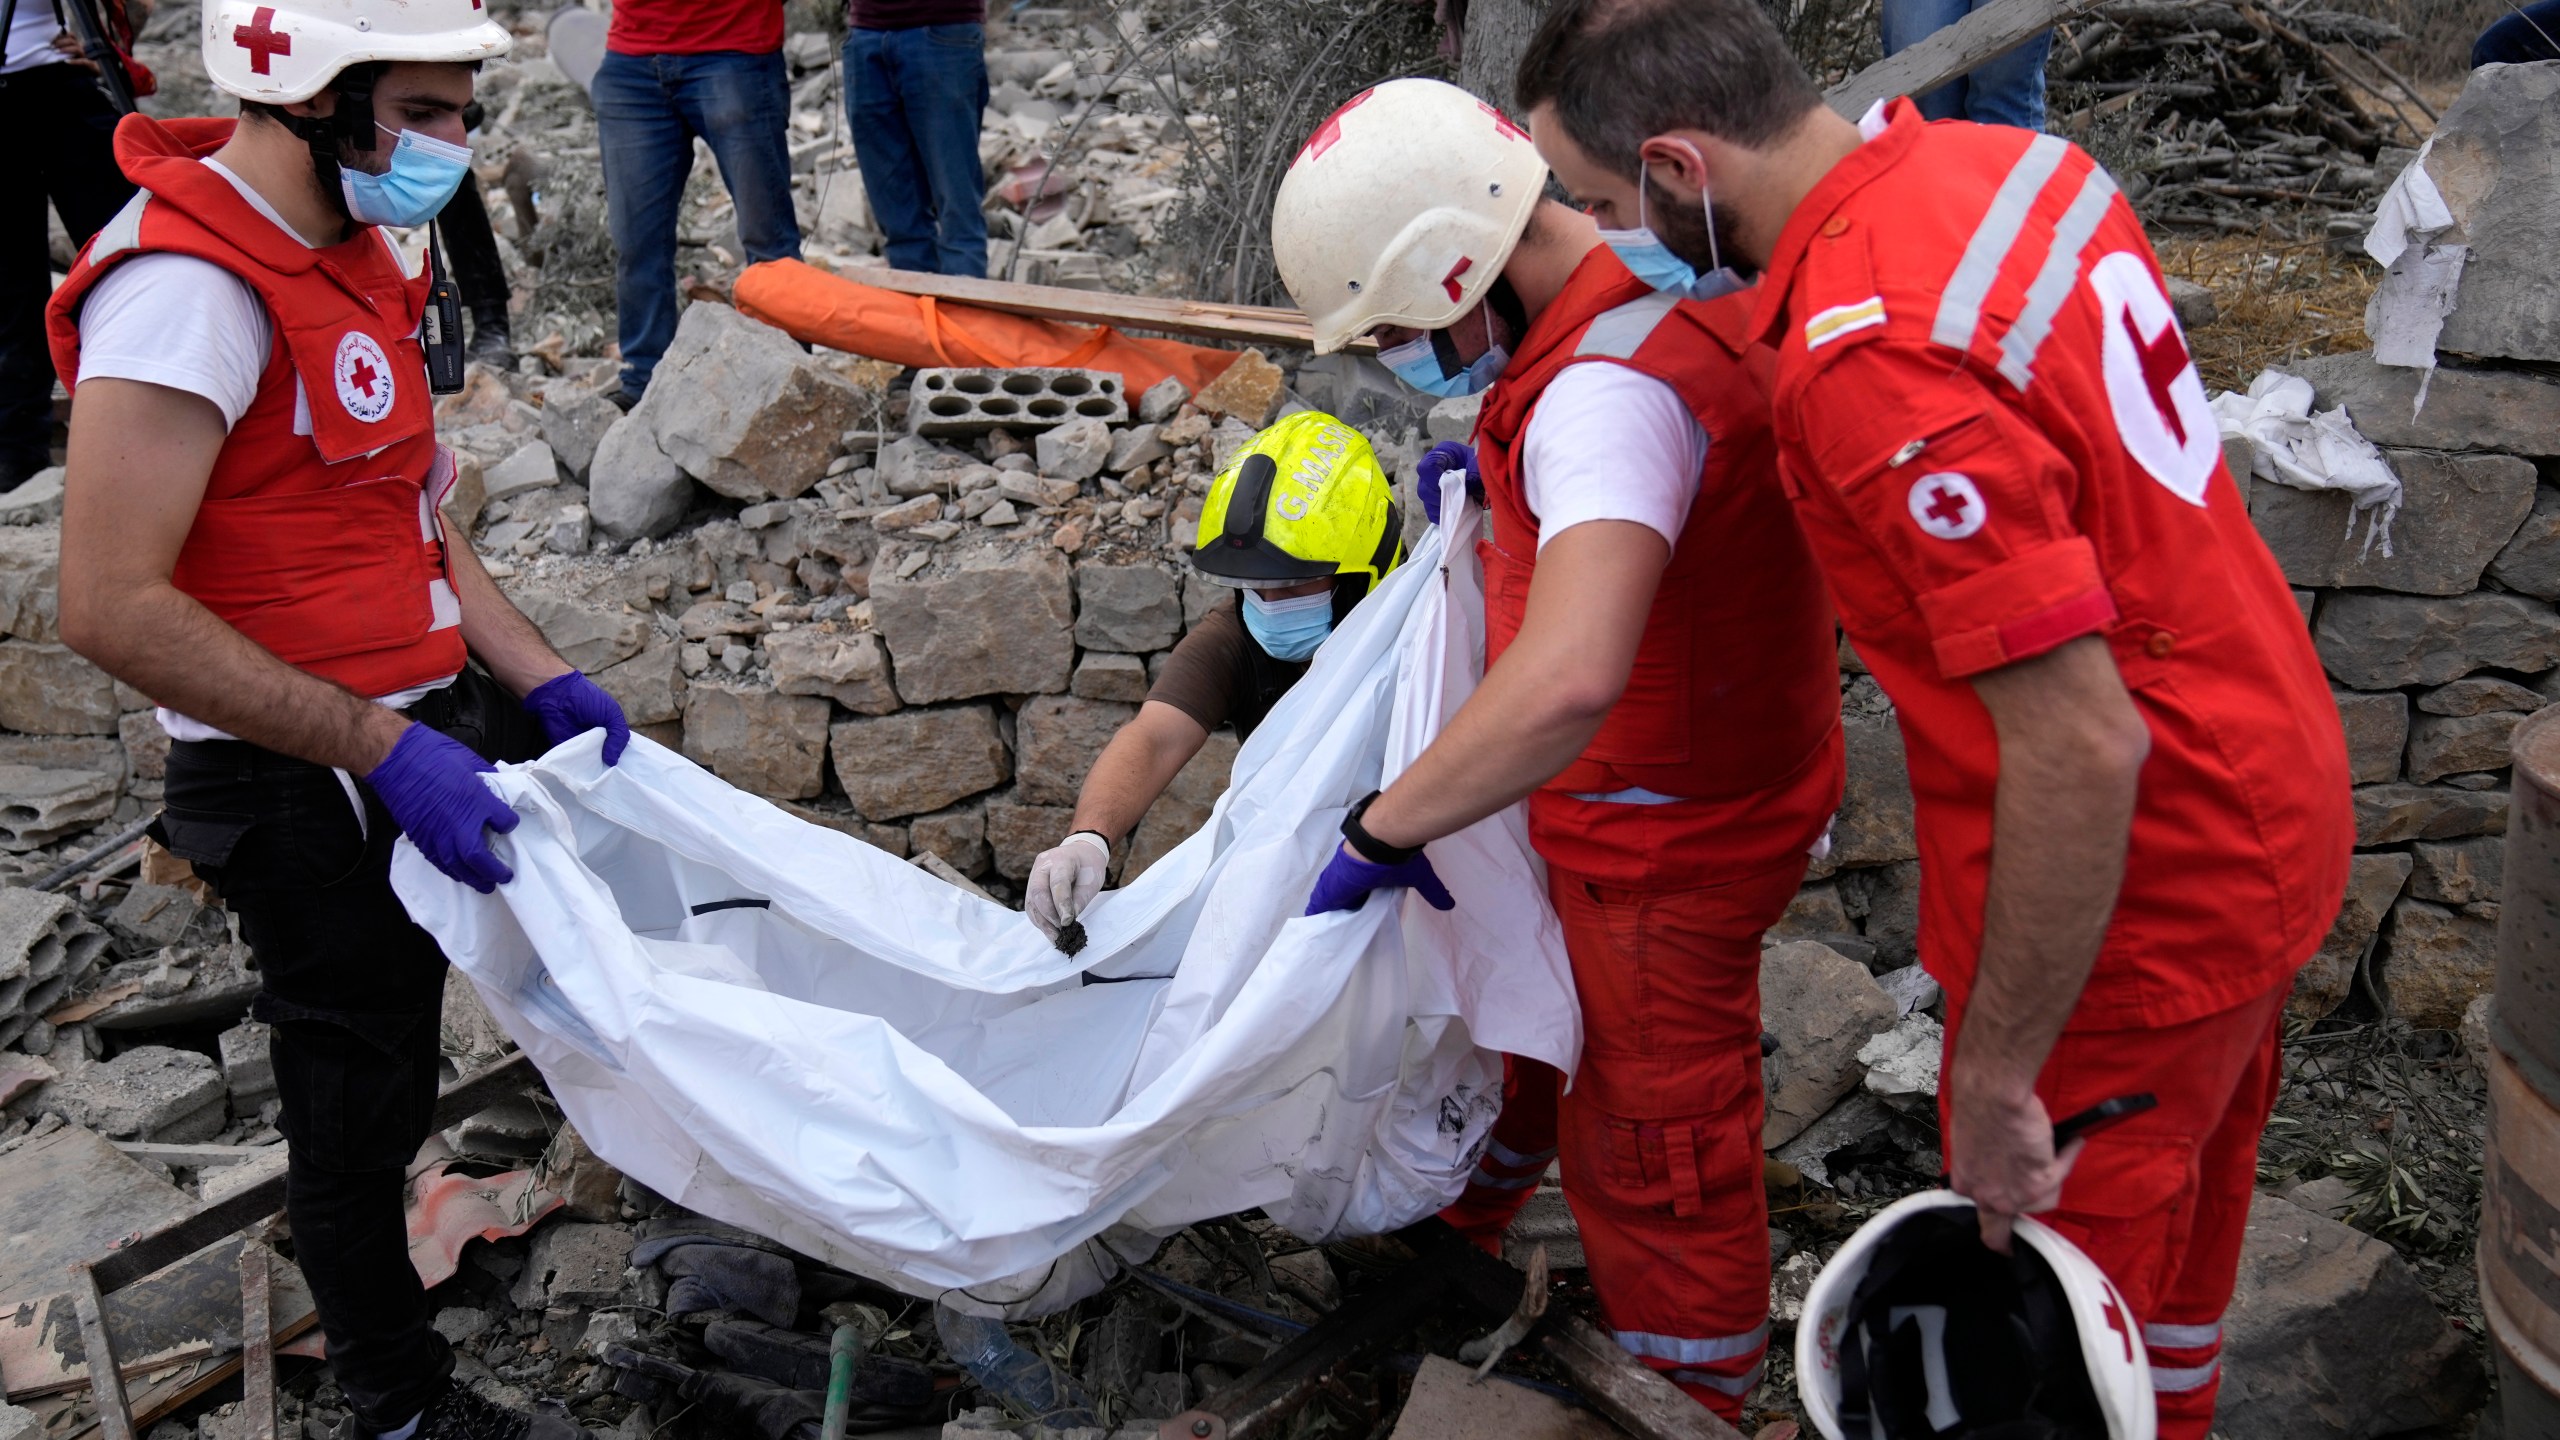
x,y
649,108
913,98
2006,91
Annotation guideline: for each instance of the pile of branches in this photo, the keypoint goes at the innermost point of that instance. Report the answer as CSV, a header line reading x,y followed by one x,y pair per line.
x,y
2221,112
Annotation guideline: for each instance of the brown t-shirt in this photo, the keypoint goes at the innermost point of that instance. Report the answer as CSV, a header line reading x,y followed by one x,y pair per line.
x,y
1204,677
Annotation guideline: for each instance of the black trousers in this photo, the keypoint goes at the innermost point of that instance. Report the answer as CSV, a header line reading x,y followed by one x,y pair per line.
x,y
355,991
66,158
472,246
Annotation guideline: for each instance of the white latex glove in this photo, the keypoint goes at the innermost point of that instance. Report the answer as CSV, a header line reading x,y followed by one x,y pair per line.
x,y
1065,879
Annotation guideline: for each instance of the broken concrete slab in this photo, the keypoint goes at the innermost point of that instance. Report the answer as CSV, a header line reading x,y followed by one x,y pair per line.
x,y
743,409
1822,1006
66,1197
151,1092
247,1067
153,917
39,807
1447,1403
182,985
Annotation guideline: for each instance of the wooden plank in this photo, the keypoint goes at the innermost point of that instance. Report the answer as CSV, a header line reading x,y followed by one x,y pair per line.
x,y
257,1345
1620,1387
63,1198
185,1313
106,1380
193,1157
1986,34
1205,319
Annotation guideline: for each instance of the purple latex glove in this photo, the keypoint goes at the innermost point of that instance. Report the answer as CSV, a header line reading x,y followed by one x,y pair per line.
x,y
1348,879
571,705
1436,462
431,784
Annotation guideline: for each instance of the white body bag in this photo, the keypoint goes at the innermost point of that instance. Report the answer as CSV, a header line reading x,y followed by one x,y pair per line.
x,y
779,1026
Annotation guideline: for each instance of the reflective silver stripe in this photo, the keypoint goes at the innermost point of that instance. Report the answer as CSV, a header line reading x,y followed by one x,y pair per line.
x,y
2192,1377
1637,795
2182,1337
2053,284
1722,1384
1502,1154
1491,1181
1702,1351
1619,333
1960,304
121,233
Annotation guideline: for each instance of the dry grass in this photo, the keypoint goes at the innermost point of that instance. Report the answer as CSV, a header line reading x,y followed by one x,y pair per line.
x,y
2278,300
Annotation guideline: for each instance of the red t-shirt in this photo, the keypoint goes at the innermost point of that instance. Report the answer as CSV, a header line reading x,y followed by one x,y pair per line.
x,y
676,27
1997,444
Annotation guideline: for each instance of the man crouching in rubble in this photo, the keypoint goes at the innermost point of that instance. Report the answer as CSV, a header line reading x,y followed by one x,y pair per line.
x,y
250,536
1302,524
1662,687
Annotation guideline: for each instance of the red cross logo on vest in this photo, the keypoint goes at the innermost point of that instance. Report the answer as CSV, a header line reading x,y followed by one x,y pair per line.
x,y
261,39
2164,359
2116,1322
363,373
1947,505
2158,400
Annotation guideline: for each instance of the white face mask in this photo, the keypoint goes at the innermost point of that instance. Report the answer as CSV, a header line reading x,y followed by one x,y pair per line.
x,y
1657,265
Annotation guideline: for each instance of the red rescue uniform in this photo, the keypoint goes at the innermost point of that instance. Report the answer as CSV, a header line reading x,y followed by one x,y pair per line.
x,y
318,536
1993,435
1675,840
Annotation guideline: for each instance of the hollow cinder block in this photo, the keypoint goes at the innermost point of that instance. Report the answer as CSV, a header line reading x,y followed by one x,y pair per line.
x,y
972,400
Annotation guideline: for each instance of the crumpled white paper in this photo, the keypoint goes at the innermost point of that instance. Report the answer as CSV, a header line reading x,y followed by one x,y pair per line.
x,y
2290,445
2420,276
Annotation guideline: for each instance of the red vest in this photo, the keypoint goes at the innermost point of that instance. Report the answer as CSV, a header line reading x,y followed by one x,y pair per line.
x,y
1735,693
315,537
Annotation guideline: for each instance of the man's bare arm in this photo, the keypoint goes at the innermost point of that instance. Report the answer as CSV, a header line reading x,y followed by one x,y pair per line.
x,y
139,458
1135,767
498,633
2072,746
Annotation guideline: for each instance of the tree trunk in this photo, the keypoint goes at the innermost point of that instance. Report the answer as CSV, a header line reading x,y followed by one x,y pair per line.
x,y
1497,32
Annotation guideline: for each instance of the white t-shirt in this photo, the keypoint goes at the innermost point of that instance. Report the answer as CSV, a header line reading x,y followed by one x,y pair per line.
x,y
30,41
1610,443
191,325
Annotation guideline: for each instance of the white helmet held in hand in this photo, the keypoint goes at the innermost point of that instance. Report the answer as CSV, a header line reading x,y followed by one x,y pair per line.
x,y
277,53
1918,1331
1402,209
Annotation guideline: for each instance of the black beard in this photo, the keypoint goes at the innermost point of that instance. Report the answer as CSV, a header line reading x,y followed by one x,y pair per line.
x,y
1684,232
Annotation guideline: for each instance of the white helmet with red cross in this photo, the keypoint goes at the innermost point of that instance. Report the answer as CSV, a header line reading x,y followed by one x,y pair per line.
x,y
1916,1329
1402,209
275,52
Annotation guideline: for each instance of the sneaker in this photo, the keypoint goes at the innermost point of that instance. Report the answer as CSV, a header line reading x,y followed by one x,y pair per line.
x,y
625,399
462,1414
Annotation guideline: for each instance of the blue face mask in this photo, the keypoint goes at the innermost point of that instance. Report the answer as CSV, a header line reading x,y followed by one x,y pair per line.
x,y
424,174
1417,365
1654,263
1289,629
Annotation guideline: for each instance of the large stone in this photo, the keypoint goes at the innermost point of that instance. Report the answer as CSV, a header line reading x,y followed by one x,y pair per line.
x,y
2530,563
587,635
743,409
1076,450
633,489
38,807
1822,1006
2381,642
2330,1336
29,577
998,623
913,465
765,743
151,1092
1875,825
1057,737
2441,745
848,667
1184,806
1250,389
649,686
2479,695
2496,160
574,422
1102,675
49,690
958,835
2324,982
2459,512
2377,729
1132,609
2459,872
2435,961
529,468
572,1265
1016,834
2515,412
919,760
2389,814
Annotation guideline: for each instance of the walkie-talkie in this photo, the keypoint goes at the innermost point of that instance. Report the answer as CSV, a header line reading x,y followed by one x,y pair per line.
x,y
442,326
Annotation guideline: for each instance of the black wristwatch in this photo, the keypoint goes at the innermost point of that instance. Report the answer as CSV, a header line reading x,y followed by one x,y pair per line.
x,y
1370,847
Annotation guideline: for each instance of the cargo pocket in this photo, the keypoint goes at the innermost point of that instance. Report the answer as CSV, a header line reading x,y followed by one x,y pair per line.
x,y
357,1096
2130,1203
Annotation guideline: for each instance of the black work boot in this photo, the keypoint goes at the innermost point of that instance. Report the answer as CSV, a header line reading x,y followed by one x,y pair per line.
x,y
489,341
460,1414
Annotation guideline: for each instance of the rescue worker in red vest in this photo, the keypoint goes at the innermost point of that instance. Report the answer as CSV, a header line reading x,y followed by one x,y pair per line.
x,y
250,537
1662,688
2133,813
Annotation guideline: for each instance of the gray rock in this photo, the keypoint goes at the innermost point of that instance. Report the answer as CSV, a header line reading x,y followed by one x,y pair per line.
x,y
958,835
2530,563
2459,512
1822,1006
153,917
49,690
36,502
1057,738
2193,303
574,422
2380,642
2458,872
38,807
1886,901
1162,399
184,985
1184,806
765,743
1816,912
1016,834
921,510
2441,745
1911,987
1248,392
741,407
1453,418
1202,595
2377,729
2511,411
247,1068
2374,883
1132,609
634,489
649,686
529,468
150,1092
573,1265
2492,159
848,667
1875,823
457,1323
2479,695
1858,1117
2389,814
1101,675
587,635
2331,1337
571,527
2435,961
1902,1063
913,465
29,579
1138,445
997,623
919,760
1076,450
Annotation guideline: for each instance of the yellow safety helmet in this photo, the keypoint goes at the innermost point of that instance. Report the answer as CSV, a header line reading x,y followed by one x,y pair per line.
x,y
1306,499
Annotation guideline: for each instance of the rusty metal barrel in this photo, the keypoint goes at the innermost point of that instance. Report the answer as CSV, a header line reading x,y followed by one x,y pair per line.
x,y
2519,1254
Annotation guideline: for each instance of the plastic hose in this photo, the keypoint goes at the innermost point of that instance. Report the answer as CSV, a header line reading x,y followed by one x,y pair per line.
x,y
844,1352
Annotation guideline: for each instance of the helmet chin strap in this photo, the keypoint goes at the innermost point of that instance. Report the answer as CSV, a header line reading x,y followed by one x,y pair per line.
x,y
350,125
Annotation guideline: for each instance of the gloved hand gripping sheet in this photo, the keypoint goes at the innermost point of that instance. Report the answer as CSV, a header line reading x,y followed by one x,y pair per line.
x,y
781,1027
